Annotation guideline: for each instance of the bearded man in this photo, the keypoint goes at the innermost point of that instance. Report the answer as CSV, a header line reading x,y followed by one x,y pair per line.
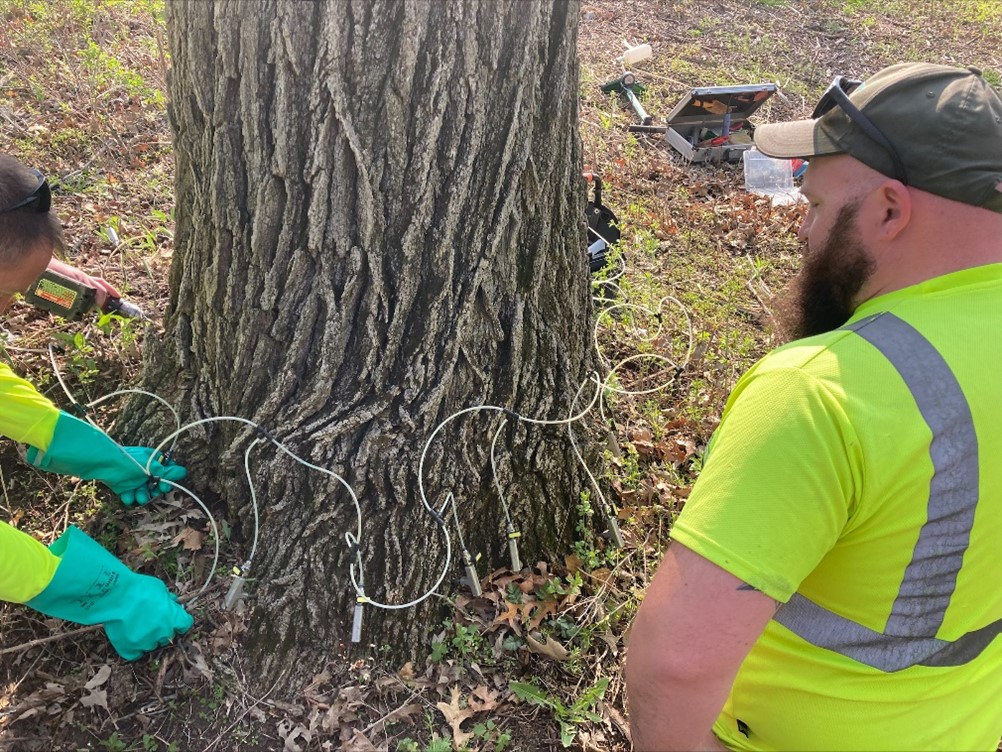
x,y
833,581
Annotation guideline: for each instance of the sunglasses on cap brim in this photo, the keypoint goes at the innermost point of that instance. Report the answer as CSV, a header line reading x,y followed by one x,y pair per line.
x,y
837,95
36,202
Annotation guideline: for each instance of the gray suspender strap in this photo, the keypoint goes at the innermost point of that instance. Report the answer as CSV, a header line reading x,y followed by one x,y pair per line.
x,y
909,637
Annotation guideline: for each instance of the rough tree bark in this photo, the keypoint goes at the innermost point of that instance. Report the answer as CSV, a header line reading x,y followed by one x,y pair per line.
x,y
379,222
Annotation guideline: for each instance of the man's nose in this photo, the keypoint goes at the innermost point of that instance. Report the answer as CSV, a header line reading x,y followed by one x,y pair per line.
x,y
805,228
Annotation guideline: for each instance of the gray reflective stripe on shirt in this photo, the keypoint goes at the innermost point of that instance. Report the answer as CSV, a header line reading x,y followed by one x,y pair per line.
x,y
931,576
826,629
909,637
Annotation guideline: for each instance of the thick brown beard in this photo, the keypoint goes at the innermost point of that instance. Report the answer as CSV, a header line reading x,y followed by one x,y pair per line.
x,y
822,296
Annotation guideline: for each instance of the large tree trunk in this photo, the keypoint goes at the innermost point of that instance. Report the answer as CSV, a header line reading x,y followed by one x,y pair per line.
x,y
379,223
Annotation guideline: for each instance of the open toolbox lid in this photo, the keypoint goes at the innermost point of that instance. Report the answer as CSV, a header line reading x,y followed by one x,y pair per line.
x,y
707,105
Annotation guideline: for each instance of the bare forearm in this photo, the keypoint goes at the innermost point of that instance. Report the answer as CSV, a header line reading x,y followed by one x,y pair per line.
x,y
663,729
102,287
668,713
692,632
659,734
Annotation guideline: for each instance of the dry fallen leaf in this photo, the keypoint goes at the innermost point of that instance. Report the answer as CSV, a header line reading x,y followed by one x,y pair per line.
x,y
225,636
511,616
573,563
99,678
96,697
550,648
404,711
190,539
483,698
312,691
357,742
406,672
643,441
197,663
537,611
454,716
290,735
602,577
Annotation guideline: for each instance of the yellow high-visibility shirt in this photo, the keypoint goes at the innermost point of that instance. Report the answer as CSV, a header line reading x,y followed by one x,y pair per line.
x,y
856,477
26,566
25,415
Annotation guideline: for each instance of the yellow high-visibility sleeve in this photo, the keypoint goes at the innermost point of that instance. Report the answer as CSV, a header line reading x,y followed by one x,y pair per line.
x,y
25,415
26,566
855,477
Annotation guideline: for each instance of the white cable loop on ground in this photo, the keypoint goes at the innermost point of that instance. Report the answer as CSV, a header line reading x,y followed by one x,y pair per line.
x,y
215,535
353,540
476,408
277,443
393,607
497,481
605,505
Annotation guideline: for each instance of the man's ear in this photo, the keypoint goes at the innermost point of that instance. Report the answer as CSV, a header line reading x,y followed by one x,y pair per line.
x,y
895,206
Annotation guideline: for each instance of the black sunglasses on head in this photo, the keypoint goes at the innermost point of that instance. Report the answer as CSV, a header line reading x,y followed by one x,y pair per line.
x,y
837,95
38,201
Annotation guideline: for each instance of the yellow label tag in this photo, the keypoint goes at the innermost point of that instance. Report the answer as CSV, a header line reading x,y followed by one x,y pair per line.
x,y
55,293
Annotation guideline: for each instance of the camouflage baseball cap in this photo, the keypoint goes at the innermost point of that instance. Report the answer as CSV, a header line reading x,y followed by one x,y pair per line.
x,y
935,127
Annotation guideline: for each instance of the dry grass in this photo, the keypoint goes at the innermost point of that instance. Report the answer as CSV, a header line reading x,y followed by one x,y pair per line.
x,y
81,95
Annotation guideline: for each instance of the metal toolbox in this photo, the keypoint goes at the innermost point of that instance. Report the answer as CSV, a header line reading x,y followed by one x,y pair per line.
x,y
711,123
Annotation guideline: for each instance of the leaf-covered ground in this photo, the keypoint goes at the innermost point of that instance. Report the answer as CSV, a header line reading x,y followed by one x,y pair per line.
x,y
535,663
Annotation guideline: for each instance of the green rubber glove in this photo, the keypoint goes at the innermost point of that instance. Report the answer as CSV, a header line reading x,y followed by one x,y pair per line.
x,y
91,586
78,448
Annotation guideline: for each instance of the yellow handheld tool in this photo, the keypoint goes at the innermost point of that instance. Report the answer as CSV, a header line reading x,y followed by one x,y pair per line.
x,y
71,299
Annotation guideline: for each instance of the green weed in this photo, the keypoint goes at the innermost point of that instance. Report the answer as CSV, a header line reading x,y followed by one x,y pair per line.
x,y
568,716
439,744
113,743
491,737
79,355
586,546
464,642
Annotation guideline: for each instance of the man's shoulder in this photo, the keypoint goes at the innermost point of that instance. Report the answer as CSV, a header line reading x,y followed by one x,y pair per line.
x,y
804,353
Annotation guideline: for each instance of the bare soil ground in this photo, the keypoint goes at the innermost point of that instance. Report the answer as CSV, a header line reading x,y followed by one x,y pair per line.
x,y
82,96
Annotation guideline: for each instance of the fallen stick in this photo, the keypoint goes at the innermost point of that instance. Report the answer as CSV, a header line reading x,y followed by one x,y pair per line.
x,y
71,633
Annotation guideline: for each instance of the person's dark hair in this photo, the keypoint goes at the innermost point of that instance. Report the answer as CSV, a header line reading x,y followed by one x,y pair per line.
x,y
28,227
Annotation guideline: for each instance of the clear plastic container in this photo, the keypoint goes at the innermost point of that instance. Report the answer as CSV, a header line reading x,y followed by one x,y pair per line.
x,y
765,176
636,54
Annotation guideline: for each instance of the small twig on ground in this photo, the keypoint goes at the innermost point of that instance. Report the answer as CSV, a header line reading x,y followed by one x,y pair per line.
x,y
50,638
758,297
12,742
71,633
248,709
412,696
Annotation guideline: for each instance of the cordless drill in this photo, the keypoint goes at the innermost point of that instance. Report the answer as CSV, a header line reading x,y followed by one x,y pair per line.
x,y
71,299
